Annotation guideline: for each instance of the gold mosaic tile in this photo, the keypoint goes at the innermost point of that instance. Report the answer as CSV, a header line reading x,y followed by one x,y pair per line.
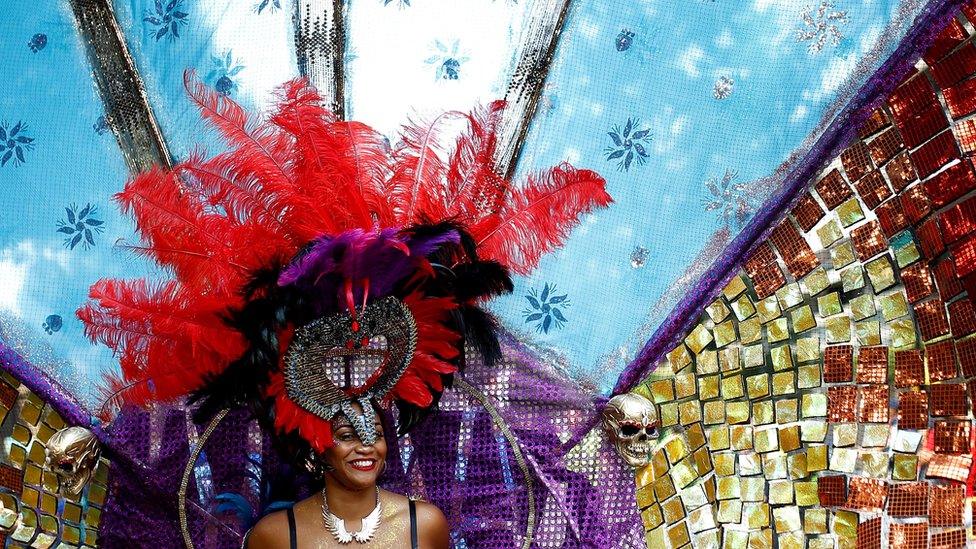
x,y
904,467
880,273
787,519
843,460
778,330
838,329
868,332
774,466
829,305
708,387
845,524
803,319
752,489
808,376
724,463
852,278
862,306
902,333
875,435
683,473
714,412
750,330
844,434
874,464
816,458
781,357
662,390
728,359
762,412
829,233
673,510
757,386
756,515
808,349
741,437
815,521
797,466
735,287
815,282
784,383
768,309
893,305
780,492
842,255
789,438
791,540
685,385
743,308
732,387
669,414
737,412
850,212
652,517
725,333
729,511
750,464
679,358
787,410
813,405
907,254
678,535
806,493
699,338
766,440
707,362
789,296
690,412
717,311
753,356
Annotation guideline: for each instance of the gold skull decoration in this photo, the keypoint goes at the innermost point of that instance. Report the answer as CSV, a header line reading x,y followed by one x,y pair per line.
x,y
72,453
631,423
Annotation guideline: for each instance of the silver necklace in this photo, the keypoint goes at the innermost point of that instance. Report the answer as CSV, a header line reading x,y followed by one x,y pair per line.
x,y
337,526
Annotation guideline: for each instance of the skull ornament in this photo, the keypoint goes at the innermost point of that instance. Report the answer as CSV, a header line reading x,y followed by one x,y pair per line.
x,y
72,453
631,422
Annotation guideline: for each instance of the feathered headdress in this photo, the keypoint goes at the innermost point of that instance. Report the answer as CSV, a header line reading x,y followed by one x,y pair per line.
x,y
314,266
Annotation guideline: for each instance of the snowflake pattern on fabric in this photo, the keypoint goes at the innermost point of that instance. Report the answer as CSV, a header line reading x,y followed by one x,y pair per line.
x,y
546,307
221,76
13,143
447,60
166,20
729,199
629,144
37,42
821,25
723,87
271,5
81,226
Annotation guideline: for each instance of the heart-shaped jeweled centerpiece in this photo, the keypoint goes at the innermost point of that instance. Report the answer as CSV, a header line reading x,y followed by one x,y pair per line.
x,y
322,357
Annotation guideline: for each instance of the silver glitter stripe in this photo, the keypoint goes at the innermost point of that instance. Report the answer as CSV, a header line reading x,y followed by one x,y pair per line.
x,y
127,107
320,44
540,37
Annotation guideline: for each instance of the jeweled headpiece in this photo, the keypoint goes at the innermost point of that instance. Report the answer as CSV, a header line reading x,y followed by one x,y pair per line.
x,y
314,266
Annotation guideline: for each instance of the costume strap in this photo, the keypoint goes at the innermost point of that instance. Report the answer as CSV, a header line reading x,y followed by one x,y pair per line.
x,y
413,525
292,534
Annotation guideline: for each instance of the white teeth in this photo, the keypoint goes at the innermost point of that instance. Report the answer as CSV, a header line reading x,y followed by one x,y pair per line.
x,y
363,462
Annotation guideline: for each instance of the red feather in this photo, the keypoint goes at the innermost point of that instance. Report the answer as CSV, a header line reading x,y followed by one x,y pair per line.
x,y
471,176
538,217
416,188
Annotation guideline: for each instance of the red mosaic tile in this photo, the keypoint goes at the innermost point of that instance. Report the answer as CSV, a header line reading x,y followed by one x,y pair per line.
x,y
964,257
929,238
807,212
909,536
951,539
961,98
966,349
962,318
951,184
856,161
764,272
909,500
950,467
918,281
873,189
841,403
940,359
885,146
947,40
919,128
877,121
952,437
11,478
912,96
872,404
869,534
971,392
913,410
872,365
936,153
900,171
915,203
891,217
945,278
958,221
832,490
833,189
8,395
965,132
868,240
866,494
955,68
969,10
947,399
794,250
838,364
946,504
909,368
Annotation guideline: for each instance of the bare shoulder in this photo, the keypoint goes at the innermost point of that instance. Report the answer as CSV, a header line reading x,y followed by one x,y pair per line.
x,y
268,532
432,526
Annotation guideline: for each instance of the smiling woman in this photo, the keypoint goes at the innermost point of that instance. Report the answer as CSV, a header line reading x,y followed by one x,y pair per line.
x,y
350,505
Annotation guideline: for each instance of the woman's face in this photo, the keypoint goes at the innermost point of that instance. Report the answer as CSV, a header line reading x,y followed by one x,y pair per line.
x,y
352,463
